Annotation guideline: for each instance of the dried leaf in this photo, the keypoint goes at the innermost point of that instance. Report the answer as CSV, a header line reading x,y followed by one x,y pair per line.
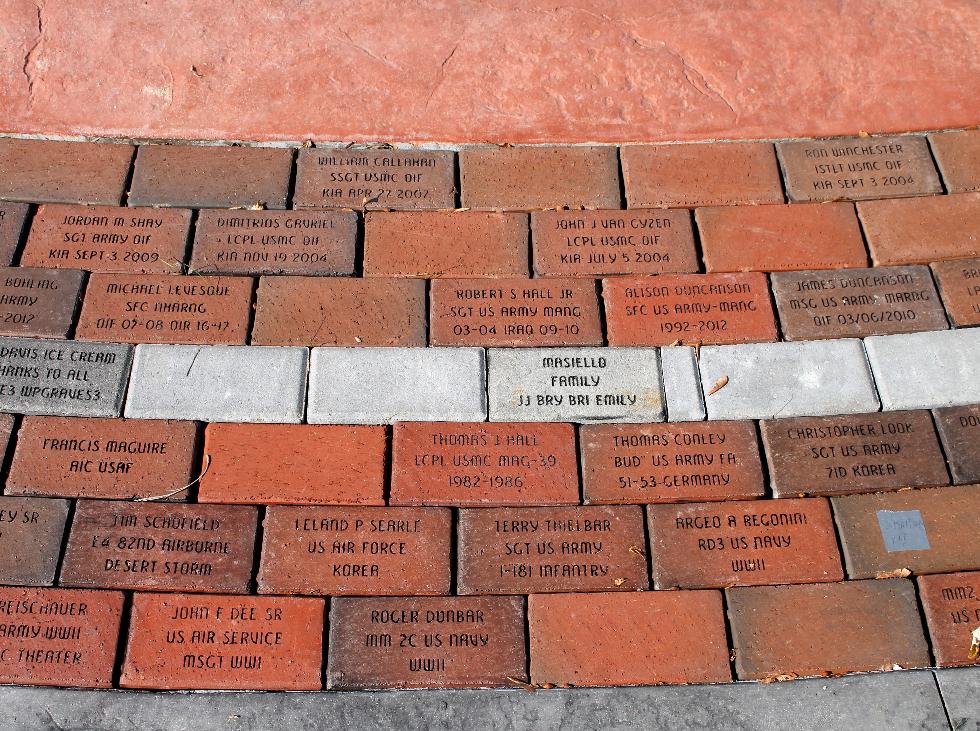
x,y
619,582
975,647
529,687
719,384
896,574
862,133
257,206
782,677
307,144
637,550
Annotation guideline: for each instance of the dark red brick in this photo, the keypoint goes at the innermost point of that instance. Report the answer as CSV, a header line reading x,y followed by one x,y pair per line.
x,y
63,172
31,530
959,283
6,429
12,217
951,603
959,430
958,155
38,302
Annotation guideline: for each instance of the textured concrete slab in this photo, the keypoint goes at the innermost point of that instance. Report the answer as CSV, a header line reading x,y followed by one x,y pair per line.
x,y
926,370
769,380
960,688
889,701
218,383
682,384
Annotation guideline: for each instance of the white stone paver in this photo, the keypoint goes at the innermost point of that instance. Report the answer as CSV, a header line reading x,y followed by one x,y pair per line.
x,y
682,384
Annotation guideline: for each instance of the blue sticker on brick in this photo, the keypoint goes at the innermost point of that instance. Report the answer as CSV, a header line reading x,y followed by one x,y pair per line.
x,y
903,530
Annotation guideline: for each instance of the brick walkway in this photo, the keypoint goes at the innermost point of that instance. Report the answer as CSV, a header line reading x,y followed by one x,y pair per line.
x,y
677,430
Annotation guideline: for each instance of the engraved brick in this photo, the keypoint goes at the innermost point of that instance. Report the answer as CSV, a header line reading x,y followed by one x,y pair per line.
x,y
857,302
108,239
63,378
31,530
704,308
542,550
69,638
647,638
210,177
925,531
539,177
194,642
369,179
63,172
922,230
596,243
175,547
959,283
514,312
958,155
665,463
153,308
12,218
855,168
703,545
959,430
274,242
780,238
825,629
575,384
339,311
445,642
484,464
836,455
38,302
714,174
951,603
294,463
102,458
434,244
360,551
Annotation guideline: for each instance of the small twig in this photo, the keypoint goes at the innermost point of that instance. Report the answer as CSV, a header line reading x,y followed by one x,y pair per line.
x,y
207,464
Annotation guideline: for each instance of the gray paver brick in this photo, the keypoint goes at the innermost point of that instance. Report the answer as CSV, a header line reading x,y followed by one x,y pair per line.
x,y
960,688
682,384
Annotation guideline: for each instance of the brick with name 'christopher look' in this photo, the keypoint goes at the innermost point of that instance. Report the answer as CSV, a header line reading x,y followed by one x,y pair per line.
x,y
12,218
514,312
476,464
197,642
834,455
175,547
148,308
959,283
274,242
540,550
595,243
38,302
361,551
368,179
663,463
951,603
63,637
108,239
703,545
959,430
857,302
437,642
706,308
30,539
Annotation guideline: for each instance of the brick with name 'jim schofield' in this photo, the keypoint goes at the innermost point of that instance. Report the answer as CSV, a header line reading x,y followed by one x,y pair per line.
x,y
31,530
38,302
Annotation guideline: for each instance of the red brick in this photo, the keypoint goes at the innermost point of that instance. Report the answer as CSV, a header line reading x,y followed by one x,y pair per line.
x,y
649,638
959,283
714,174
6,429
339,311
781,632
445,642
372,179
154,308
541,550
836,455
89,620
184,641
934,531
175,547
211,177
855,168
703,545
665,463
539,177
594,243
958,155
360,551
435,244
781,238
102,458
301,464
922,230
951,603
31,530
12,218
959,430
274,242
703,308
515,312
484,464
38,302
108,239
63,172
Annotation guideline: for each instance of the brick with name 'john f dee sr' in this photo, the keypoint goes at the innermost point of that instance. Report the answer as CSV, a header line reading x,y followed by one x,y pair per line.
x,y
959,283
959,430
31,530
951,603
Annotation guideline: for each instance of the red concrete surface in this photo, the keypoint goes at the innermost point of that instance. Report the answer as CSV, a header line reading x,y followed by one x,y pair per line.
x,y
511,71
